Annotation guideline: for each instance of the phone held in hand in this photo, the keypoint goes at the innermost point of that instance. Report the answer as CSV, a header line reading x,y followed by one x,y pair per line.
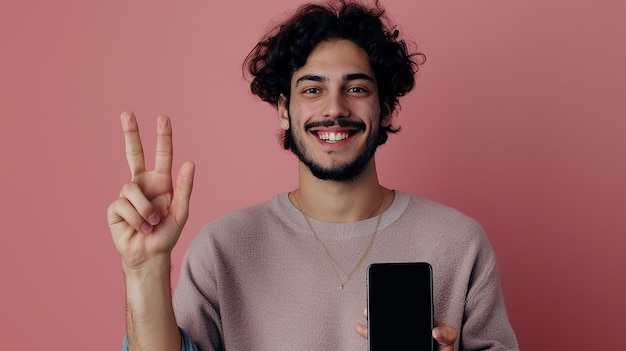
x,y
400,306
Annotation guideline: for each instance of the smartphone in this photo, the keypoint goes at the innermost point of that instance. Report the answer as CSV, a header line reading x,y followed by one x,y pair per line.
x,y
400,306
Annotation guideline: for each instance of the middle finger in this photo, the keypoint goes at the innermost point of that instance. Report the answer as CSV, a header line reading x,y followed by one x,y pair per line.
x,y
164,149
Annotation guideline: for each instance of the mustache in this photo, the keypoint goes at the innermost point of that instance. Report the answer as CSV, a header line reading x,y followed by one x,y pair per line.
x,y
342,122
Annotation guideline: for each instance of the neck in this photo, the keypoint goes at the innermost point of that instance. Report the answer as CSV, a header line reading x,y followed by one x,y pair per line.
x,y
341,202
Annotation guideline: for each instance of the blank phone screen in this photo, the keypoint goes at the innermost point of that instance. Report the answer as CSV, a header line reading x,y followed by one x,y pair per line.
x,y
400,307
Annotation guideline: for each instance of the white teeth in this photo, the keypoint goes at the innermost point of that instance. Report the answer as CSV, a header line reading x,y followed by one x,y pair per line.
x,y
332,137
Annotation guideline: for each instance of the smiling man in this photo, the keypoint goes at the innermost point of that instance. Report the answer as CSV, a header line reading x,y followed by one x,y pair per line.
x,y
334,112
289,273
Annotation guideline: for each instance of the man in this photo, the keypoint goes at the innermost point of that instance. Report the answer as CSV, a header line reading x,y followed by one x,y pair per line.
x,y
289,274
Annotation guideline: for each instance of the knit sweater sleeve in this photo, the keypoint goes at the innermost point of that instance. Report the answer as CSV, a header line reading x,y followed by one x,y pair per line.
x,y
485,323
196,297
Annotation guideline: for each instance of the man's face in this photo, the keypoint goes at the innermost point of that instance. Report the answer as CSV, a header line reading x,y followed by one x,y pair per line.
x,y
334,111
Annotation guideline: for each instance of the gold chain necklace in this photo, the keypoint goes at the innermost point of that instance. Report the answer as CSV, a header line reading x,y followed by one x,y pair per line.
x,y
334,263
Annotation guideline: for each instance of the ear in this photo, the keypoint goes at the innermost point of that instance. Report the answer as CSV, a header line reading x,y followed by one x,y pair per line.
x,y
386,120
283,113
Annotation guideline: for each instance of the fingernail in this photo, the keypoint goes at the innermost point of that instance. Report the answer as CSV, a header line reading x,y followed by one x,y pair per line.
x,y
146,228
154,218
127,120
438,333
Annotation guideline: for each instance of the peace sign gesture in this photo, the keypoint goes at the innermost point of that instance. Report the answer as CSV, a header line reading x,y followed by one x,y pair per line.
x,y
148,217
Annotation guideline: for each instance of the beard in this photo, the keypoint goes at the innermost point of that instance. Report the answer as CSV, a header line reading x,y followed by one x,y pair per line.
x,y
346,172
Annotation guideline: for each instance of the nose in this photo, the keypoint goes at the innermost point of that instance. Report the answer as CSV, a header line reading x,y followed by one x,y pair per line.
x,y
336,105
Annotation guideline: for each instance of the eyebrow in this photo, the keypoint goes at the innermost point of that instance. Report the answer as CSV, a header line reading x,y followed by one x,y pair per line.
x,y
345,78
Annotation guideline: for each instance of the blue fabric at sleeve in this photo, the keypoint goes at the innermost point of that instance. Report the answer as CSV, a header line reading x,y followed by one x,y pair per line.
x,y
186,343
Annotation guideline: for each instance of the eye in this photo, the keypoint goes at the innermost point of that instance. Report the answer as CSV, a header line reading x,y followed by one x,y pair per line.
x,y
357,90
311,91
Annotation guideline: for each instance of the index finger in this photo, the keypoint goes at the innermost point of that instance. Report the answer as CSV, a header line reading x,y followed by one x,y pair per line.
x,y
134,149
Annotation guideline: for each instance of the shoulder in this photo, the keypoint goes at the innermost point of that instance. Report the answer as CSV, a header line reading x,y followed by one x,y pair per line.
x,y
438,214
247,217
245,224
438,226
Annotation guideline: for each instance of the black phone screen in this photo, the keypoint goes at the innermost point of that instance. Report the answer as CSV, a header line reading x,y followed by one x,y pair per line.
x,y
400,306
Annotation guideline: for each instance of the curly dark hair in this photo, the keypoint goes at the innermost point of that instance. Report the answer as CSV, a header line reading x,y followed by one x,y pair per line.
x,y
286,48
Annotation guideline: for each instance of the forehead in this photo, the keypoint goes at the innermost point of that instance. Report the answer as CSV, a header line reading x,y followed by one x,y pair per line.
x,y
335,59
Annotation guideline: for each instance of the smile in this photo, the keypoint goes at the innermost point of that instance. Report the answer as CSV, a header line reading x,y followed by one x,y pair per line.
x,y
332,137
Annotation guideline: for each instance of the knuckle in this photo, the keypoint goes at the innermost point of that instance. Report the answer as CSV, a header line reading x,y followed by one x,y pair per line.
x,y
114,207
127,189
134,150
163,152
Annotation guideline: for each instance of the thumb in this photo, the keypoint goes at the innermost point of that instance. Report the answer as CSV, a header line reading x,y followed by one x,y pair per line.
x,y
445,335
182,192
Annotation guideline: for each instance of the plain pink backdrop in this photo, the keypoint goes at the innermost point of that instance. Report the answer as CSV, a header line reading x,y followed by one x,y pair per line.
x,y
518,119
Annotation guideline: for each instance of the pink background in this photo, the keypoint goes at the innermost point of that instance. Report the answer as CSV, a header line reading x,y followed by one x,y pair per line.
x,y
518,119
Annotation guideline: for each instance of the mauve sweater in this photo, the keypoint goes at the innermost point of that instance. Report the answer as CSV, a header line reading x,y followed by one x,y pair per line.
x,y
257,279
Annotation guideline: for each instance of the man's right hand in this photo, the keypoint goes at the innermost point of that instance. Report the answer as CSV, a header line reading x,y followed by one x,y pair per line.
x,y
148,217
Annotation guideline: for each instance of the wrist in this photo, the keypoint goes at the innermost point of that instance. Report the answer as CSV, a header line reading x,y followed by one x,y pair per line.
x,y
153,268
